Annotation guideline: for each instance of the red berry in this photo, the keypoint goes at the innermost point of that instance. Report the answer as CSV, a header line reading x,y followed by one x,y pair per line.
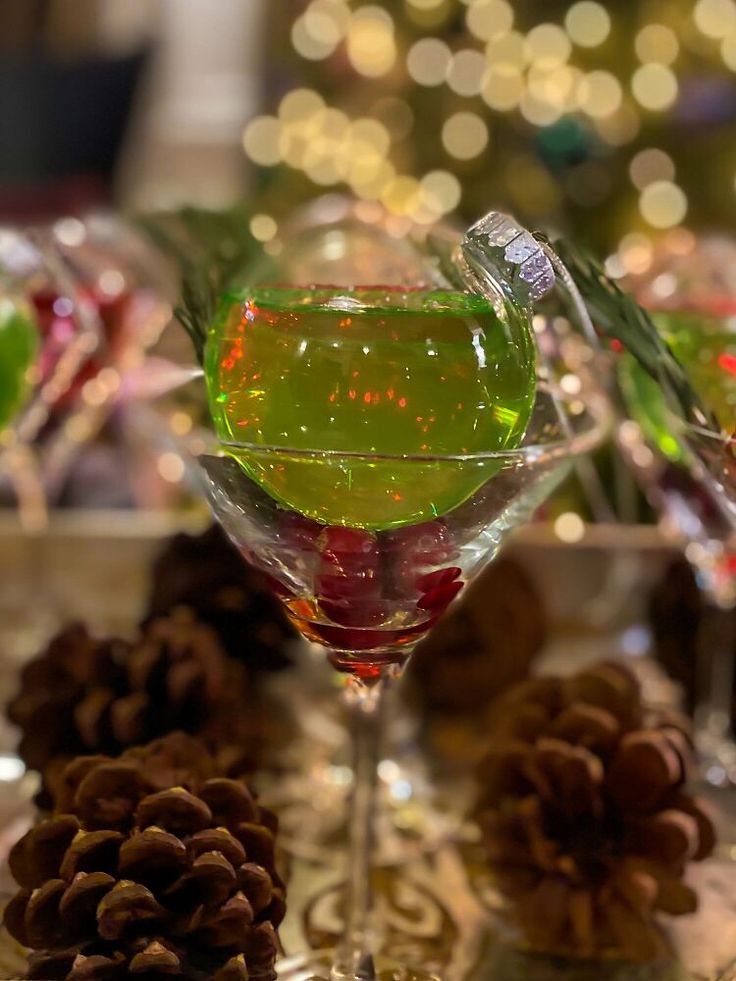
x,y
297,532
440,597
415,553
439,578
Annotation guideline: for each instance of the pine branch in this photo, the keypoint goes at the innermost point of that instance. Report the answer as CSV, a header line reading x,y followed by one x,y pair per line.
x,y
213,251
617,316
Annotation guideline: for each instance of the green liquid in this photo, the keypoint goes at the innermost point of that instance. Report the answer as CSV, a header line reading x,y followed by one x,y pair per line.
x,y
706,348
368,371
18,346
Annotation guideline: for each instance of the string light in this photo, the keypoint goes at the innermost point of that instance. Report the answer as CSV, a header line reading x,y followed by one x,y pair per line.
x,y
588,23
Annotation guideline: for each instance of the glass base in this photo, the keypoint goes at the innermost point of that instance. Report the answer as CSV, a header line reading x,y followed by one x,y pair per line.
x,y
317,966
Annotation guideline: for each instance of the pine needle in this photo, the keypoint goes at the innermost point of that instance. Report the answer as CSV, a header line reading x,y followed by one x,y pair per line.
x,y
617,316
213,251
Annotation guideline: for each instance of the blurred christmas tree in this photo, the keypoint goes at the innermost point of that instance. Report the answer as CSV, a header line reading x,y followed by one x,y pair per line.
x,y
611,119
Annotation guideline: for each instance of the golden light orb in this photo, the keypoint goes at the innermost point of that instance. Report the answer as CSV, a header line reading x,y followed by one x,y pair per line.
x,y
263,227
261,140
588,23
658,43
466,72
537,111
507,49
428,61
401,195
728,51
465,135
649,166
300,104
635,253
371,45
314,35
654,86
620,128
715,18
441,191
503,87
548,45
600,94
487,19
663,204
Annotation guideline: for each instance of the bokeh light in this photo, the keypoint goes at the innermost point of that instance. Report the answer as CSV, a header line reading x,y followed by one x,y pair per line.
x,y
600,94
428,61
658,43
588,23
654,87
371,45
466,72
663,204
465,135
488,19
715,18
649,166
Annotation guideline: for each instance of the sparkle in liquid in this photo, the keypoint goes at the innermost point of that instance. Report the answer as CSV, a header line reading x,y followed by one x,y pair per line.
x,y
18,347
372,370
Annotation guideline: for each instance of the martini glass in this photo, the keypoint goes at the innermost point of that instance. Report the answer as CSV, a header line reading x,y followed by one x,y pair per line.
x,y
677,433
369,530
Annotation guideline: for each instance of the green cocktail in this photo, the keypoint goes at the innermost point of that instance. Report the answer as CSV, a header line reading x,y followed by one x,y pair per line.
x,y
19,341
706,348
371,370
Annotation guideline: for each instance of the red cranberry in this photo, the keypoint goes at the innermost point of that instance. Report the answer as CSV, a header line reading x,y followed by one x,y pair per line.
x,y
440,597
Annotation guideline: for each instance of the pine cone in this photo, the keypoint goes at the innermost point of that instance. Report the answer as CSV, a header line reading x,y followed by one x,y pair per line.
x,y
102,696
139,877
486,643
206,573
584,819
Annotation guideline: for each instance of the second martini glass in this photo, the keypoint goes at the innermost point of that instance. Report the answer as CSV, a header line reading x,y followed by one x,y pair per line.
x,y
367,548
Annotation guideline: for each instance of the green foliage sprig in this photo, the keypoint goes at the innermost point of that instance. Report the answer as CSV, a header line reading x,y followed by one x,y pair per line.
x,y
617,316
212,250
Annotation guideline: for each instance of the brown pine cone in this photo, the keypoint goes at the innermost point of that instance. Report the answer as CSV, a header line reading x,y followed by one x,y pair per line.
x,y
102,696
484,644
584,817
138,877
206,573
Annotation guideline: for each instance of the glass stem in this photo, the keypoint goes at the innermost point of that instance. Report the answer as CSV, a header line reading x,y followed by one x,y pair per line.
x,y
714,689
354,959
